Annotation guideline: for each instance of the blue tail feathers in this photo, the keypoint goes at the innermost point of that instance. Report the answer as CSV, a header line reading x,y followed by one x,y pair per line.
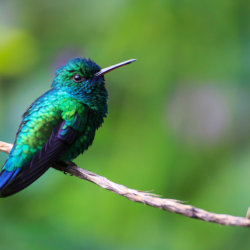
x,y
6,177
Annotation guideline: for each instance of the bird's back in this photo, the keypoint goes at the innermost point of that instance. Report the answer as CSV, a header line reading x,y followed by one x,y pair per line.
x,y
35,129
39,140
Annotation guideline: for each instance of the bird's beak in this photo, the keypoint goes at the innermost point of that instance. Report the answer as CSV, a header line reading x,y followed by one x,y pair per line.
x,y
116,66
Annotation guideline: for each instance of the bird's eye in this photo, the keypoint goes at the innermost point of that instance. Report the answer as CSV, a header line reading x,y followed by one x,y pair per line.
x,y
77,78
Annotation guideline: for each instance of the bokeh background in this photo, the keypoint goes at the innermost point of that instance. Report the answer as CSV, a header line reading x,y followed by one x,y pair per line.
x,y
178,123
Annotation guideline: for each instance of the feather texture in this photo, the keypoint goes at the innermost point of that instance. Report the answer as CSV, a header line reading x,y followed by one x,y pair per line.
x,y
40,163
58,126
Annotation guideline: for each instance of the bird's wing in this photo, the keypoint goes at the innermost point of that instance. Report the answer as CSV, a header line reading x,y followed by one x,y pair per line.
x,y
13,181
45,133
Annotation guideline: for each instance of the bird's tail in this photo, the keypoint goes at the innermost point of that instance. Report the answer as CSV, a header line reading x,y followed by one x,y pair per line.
x,y
14,181
6,177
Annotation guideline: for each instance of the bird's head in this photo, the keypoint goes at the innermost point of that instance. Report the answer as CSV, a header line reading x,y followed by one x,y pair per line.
x,y
84,79
83,73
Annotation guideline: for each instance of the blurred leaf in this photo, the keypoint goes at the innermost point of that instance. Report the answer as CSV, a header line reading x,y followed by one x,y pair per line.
x,y
18,51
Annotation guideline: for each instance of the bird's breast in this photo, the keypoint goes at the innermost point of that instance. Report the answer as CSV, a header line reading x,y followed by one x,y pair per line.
x,y
86,137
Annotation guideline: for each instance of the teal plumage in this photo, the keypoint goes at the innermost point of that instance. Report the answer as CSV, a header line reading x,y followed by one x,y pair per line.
x,y
59,125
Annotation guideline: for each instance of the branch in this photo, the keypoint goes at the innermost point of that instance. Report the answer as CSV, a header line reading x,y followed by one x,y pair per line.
x,y
149,199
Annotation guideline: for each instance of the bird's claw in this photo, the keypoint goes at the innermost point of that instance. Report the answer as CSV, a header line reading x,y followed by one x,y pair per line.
x,y
64,166
68,166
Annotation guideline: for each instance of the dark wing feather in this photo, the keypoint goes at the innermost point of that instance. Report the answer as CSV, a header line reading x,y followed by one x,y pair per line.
x,y
41,162
6,177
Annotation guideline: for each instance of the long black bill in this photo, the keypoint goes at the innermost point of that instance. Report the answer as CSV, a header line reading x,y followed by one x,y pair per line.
x,y
110,68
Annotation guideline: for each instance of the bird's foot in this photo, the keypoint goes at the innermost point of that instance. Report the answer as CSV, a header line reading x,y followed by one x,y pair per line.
x,y
69,164
64,166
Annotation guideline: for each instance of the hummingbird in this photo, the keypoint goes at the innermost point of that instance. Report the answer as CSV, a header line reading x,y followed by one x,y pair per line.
x,y
59,125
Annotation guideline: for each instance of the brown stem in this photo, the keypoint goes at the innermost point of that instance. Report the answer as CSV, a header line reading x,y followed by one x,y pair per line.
x,y
149,199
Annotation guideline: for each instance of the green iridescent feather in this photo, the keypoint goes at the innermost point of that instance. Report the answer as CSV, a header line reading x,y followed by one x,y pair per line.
x,y
66,100
81,105
59,125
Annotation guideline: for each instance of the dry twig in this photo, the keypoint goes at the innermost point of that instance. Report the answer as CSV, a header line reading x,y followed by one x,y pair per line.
x,y
150,199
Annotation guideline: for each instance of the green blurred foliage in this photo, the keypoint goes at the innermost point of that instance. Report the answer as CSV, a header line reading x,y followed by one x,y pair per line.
x,y
178,122
17,52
